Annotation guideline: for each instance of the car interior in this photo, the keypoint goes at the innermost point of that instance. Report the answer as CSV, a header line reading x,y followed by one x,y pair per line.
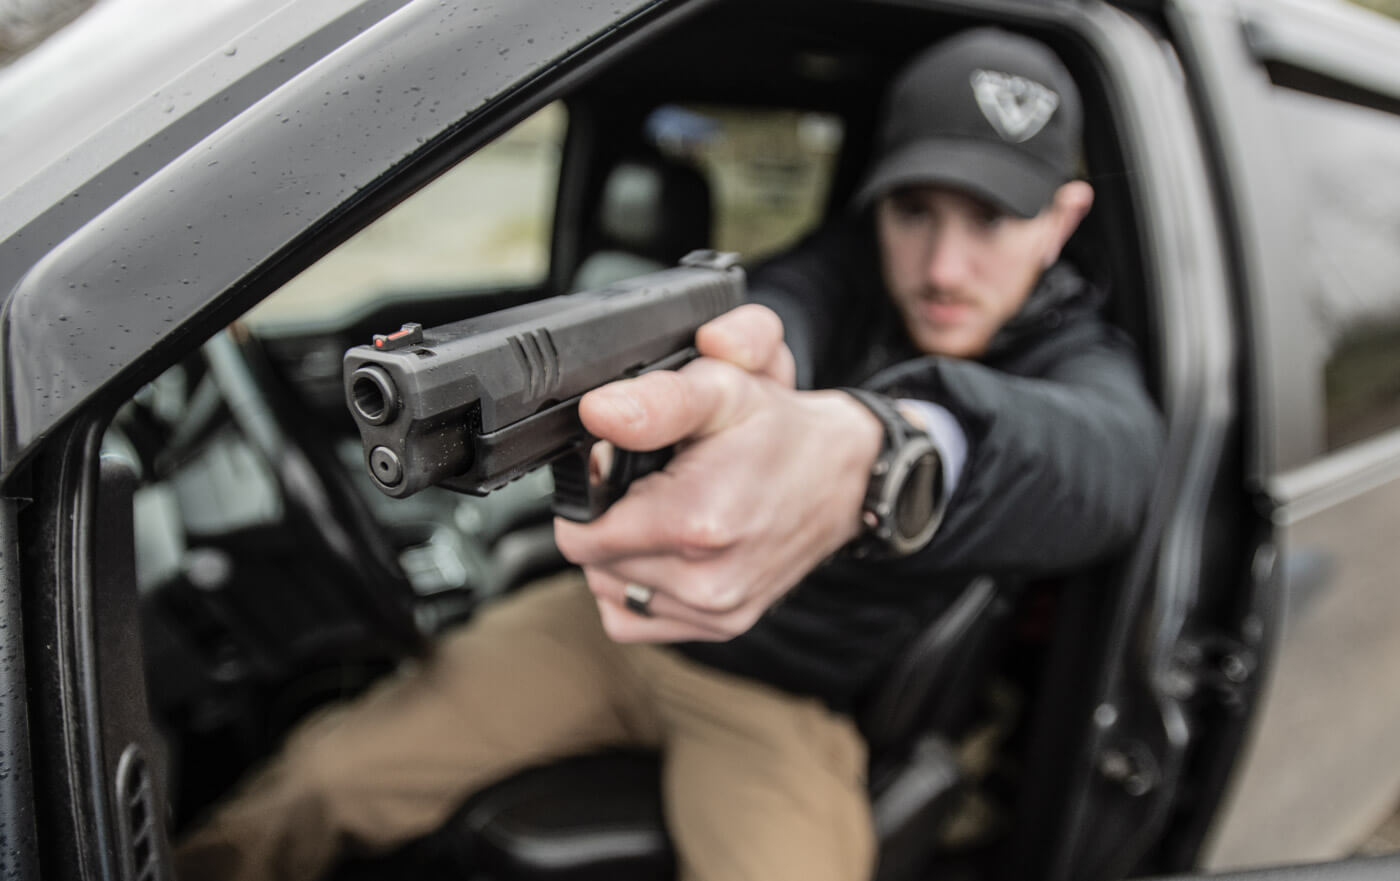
x,y
274,578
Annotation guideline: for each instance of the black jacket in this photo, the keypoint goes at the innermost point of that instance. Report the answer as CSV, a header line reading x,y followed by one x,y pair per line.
x,y
1062,445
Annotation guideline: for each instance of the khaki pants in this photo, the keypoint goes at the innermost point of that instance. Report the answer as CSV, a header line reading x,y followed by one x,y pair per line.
x,y
758,784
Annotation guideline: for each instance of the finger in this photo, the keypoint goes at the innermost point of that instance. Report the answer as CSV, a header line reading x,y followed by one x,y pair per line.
x,y
624,625
600,462
700,591
748,336
662,606
660,408
782,368
648,520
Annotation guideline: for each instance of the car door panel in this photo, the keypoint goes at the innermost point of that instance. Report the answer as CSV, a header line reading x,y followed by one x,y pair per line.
x,y
1303,122
17,791
1325,763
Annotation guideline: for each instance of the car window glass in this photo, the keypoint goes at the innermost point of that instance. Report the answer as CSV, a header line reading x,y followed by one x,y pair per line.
x,y
769,169
483,225
1347,166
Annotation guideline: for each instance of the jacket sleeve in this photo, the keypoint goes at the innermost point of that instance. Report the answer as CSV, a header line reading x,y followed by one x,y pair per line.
x,y
1060,464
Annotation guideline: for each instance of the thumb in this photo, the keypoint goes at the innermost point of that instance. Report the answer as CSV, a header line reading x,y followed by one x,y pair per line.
x,y
663,407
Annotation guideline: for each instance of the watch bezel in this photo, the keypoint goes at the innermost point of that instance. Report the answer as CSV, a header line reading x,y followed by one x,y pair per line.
x,y
915,468
908,462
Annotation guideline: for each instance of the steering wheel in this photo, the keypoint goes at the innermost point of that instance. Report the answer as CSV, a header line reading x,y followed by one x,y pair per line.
x,y
331,521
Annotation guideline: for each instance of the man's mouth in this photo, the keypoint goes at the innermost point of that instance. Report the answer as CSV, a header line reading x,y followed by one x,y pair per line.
x,y
943,310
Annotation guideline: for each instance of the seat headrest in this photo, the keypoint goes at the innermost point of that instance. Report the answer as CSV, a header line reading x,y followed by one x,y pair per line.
x,y
655,207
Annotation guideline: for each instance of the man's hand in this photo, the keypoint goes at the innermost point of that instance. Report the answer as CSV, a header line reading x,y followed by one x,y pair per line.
x,y
767,482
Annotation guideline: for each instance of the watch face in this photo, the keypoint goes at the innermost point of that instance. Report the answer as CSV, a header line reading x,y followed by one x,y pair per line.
x,y
920,497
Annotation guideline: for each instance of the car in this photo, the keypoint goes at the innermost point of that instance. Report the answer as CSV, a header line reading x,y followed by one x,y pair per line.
x,y
194,556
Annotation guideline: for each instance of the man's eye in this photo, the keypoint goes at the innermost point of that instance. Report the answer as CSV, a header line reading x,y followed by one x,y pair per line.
x,y
988,217
909,209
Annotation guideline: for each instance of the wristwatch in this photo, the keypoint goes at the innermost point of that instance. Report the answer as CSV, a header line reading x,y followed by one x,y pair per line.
x,y
904,498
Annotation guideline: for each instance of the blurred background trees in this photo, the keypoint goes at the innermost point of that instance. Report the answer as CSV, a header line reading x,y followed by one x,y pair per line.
x,y
1388,7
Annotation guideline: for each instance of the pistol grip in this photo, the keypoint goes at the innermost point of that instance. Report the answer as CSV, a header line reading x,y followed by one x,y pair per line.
x,y
583,500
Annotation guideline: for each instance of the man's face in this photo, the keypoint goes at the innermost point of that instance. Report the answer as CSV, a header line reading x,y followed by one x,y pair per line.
x,y
956,268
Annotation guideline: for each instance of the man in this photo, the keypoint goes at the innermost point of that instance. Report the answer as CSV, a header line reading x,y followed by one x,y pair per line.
x,y
799,538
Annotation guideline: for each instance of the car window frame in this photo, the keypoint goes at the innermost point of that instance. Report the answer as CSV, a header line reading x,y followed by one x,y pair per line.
x,y
52,366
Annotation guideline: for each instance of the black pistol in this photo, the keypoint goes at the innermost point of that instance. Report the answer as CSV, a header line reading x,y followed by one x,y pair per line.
x,y
475,404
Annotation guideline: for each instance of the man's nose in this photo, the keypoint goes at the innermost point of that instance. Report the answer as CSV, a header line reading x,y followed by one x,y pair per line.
x,y
947,258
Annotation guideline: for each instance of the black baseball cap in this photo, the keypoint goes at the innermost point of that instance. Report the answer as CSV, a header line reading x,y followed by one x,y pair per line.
x,y
986,111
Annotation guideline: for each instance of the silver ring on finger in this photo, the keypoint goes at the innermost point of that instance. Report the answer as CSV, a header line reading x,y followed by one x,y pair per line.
x,y
637,598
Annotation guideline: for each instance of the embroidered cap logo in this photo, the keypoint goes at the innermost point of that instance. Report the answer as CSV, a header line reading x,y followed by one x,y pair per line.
x,y
1015,106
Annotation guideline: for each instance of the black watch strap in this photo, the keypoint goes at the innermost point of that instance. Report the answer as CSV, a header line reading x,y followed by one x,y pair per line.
x,y
904,498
